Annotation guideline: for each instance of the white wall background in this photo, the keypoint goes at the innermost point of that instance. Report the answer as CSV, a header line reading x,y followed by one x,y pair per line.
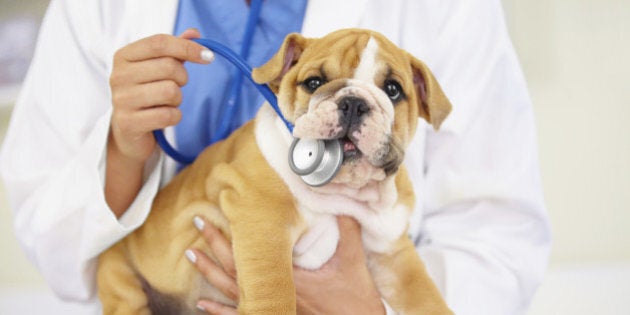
x,y
576,57
575,54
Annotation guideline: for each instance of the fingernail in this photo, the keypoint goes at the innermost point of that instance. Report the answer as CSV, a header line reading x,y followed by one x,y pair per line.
x,y
201,308
191,256
207,55
199,224
208,306
235,292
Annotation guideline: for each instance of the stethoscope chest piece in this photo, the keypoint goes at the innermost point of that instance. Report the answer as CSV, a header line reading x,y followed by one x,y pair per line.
x,y
316,161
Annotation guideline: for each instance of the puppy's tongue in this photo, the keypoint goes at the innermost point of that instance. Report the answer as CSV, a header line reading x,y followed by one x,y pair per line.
x,y
349,146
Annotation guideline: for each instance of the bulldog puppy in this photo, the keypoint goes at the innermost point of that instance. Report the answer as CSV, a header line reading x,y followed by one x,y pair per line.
x,y
352,85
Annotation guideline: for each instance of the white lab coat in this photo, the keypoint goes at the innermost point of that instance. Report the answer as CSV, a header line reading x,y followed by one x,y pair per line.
x,y
480,223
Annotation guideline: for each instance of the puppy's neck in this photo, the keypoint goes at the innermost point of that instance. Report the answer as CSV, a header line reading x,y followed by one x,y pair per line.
x,y
374,193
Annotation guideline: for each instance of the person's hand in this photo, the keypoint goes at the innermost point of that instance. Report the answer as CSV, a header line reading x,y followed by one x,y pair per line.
x,y
145,85
341,286
221,275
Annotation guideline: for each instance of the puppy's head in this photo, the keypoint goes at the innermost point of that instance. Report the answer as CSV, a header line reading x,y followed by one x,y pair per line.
x,y
357,86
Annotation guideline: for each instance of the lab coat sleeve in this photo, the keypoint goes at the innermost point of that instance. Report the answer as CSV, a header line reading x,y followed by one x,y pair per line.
x,y
53,156
483,228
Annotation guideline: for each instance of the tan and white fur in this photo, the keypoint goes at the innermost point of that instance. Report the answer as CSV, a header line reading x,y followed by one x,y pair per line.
x,y
353,85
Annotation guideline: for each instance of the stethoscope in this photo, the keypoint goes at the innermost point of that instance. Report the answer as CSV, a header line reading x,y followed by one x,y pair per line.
x,y
316,161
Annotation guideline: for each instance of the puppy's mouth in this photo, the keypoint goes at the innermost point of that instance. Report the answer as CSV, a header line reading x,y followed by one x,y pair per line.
x,y
350,150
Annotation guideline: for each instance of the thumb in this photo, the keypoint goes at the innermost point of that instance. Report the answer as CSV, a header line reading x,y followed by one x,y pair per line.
x,y
349,235
190,33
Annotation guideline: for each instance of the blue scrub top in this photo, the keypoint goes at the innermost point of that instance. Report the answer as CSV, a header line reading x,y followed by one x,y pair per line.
x,y
209,85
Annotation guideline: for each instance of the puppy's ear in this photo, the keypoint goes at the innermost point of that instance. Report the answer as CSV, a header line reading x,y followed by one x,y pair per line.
x,y
272,72
434,105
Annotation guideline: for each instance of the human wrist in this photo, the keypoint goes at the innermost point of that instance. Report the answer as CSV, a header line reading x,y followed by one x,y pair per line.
x,y
123,178
117,158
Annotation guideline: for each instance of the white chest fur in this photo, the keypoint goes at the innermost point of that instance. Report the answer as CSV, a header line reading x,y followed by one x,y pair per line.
x,y
374,207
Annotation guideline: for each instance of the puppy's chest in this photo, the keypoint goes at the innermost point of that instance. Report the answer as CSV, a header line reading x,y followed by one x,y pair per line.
x,y
318,243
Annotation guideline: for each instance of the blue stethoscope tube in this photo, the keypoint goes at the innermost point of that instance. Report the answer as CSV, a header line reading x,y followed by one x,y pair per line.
x,y
244,68
241,68
229,110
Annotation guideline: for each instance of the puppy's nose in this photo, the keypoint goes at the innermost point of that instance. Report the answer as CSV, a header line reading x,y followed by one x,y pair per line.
x,y
351,106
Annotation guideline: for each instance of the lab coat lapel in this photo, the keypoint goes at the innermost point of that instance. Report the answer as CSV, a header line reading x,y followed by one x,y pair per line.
x,y
325,16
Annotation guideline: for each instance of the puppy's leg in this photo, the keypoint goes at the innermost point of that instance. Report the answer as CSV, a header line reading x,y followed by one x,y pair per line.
x,y
263,259
120,290
404,282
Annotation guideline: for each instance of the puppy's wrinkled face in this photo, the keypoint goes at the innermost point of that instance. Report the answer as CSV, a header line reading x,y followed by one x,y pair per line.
x,y
356,86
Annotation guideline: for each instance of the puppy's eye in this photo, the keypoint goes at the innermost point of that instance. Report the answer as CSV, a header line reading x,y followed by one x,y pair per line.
x,y
393,90
313,83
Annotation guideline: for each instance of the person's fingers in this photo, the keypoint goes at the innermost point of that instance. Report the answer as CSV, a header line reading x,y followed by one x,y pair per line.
x,y
156,69
219,245
150,94
141,122
147,95
163,45
213,273
215,308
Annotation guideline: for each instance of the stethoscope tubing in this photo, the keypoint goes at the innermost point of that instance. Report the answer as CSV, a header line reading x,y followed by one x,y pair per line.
x,y
229,110
246,70
242,68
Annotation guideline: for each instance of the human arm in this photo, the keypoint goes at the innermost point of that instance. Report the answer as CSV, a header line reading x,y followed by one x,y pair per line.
x,y
145,84
53,159
53,153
